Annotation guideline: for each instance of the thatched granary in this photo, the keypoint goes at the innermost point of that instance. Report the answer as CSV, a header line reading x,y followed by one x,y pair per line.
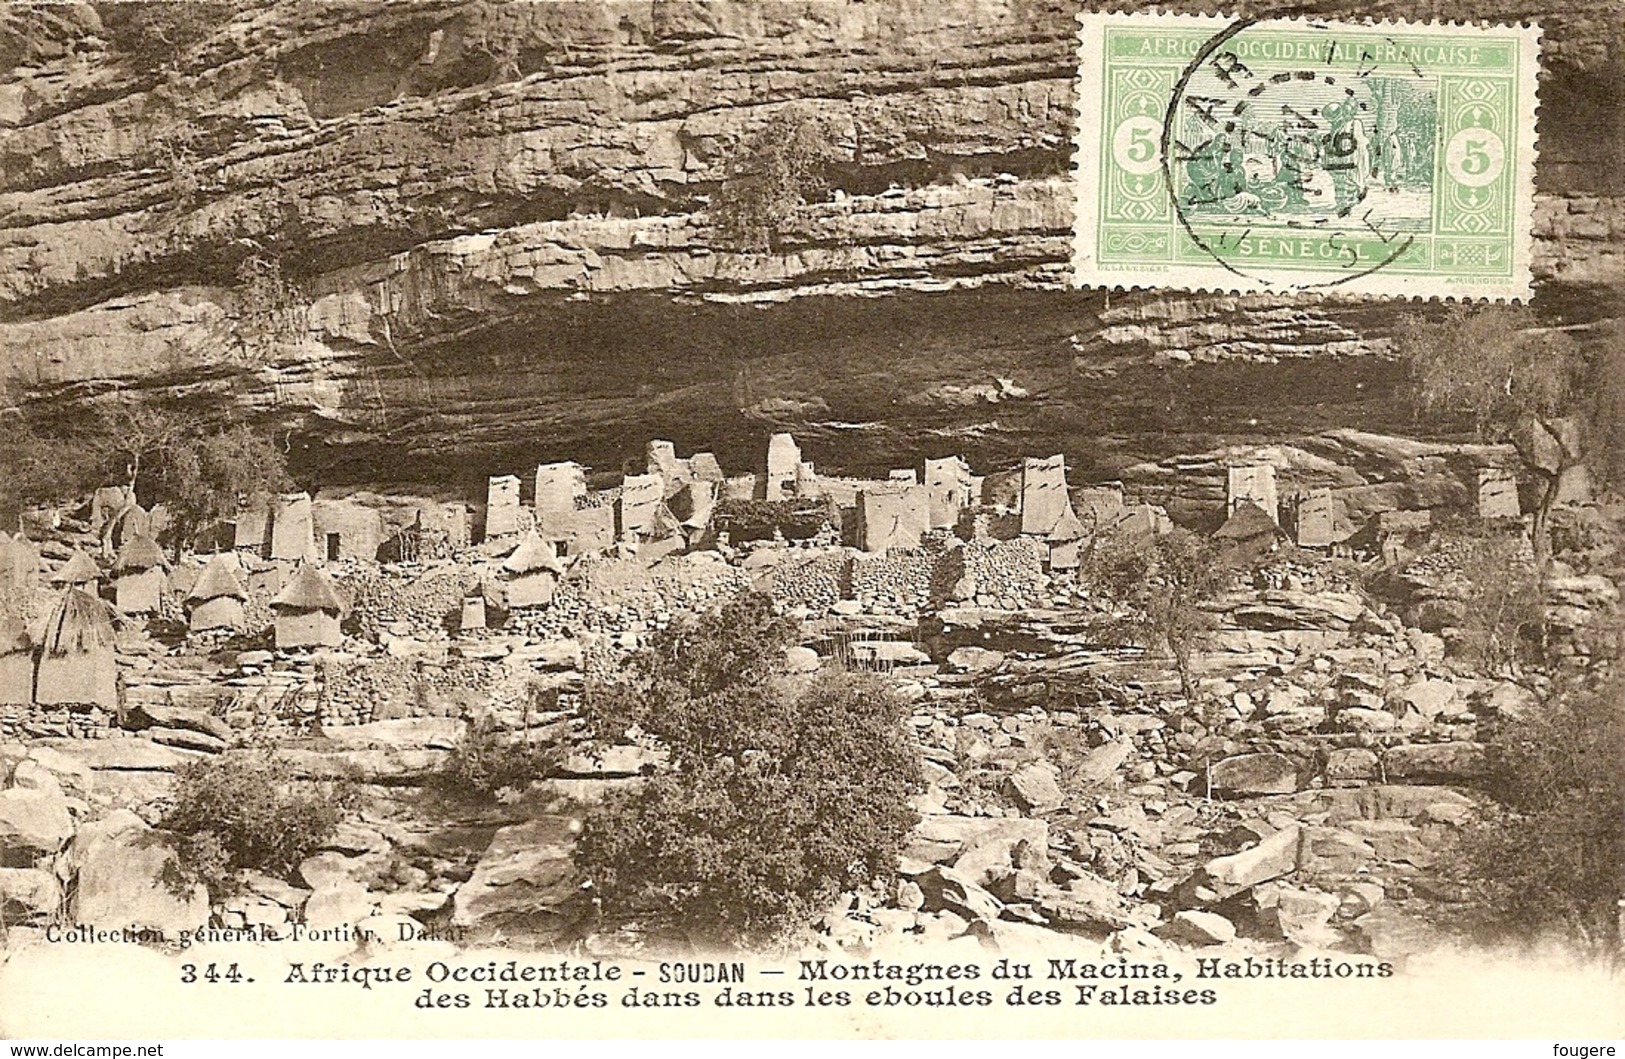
x,y
140,575
80,571
1248,534
76,664
308,610
16,662
534,571
216,600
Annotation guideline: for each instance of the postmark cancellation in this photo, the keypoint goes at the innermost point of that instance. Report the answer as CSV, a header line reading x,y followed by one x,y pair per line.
x,y
1391,159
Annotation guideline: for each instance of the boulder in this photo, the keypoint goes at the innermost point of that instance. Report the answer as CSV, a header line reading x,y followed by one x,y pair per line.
x,y
525,878
1086,906
124,871
1199,928
1287,609
1350,765
33,822
975,845
948,890
1430,697
1388,933
155,715
1254,774
72,774
1363,719
1034,789
1101,764
801,660
1333,851
127,755
28,895
1272,858
1436,762
186,739
1302,917
974,660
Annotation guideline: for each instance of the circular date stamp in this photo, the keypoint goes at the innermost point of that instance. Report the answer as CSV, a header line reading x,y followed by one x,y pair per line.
x,y
1299,155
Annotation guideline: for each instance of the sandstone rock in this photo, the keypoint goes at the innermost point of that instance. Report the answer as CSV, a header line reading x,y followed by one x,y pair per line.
x,y
186,739
801,660
28,895
1087,905
974,845
1436,762
524,879
1300,916
33,822
122,872
1033,787
1199,928
1286,609
948,890
1388,933
1252,774
72,774
1101,764
1272,858
1351,765
407,733
1394,840
155,715
1430,697
29,775
338,903
974,660
1361,719
1333,851
127,755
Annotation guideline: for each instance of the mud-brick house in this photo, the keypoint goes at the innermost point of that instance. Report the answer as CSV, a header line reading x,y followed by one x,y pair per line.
x,y
16,662
76,663
216,601
19,563
346,529
534,572
80,571
140,575
308,610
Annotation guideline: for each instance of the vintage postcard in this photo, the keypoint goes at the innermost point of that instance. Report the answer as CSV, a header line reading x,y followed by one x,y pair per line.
x,y
593,518
1295,154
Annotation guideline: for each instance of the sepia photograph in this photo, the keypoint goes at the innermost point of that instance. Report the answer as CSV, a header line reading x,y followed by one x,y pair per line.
x,y
812,519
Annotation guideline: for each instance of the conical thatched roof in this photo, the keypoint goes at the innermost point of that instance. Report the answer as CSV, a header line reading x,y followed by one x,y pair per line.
x,y
533,556
1247,521
79,569
310,589
219,578
80,623
139,553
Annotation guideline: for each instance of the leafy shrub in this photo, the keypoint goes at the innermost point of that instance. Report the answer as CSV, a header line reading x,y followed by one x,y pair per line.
x,y
1551,856
1502,614
778,794
771,175
245,809
1162,581
488,761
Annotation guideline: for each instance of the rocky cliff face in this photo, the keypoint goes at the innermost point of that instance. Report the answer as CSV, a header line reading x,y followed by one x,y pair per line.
x,y
488,223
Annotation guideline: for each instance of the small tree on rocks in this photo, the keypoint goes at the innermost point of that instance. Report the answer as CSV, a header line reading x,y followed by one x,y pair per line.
x,y
778,794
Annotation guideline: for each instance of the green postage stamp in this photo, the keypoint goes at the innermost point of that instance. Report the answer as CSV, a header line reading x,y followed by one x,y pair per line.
x,y
1294,154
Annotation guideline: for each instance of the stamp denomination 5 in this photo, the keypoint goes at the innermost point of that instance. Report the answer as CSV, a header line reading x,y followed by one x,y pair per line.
x,y
1290,154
